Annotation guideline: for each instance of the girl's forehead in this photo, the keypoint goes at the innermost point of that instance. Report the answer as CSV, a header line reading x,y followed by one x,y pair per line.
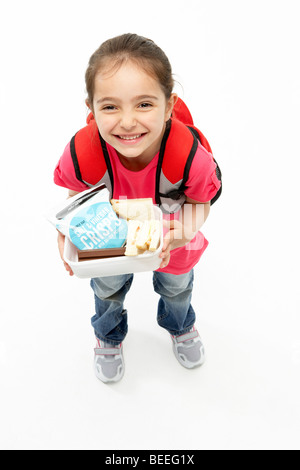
x,y
125,77
113,70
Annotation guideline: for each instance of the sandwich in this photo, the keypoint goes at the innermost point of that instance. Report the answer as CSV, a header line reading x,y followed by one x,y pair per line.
x,y
134,209
142,236
134,227
143,230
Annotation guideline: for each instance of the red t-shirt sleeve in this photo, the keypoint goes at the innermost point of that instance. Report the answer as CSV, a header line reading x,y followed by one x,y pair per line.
x,y
64,173
203,183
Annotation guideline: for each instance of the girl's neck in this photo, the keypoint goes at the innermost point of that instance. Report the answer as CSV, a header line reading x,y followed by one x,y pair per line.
x,y
135,164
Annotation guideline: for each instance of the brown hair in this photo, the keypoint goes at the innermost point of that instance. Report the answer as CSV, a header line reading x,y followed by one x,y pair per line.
x,y
130,47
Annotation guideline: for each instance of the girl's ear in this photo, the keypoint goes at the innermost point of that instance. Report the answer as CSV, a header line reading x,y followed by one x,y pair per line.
x,y
88,105
170,105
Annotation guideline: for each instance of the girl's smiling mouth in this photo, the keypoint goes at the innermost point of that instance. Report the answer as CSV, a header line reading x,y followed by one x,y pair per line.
x,y
130,139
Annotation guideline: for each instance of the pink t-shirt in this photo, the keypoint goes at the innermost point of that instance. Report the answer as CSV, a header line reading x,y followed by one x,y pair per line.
x,y
202,186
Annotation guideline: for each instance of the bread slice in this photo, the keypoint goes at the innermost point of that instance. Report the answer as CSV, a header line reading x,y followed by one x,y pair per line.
x,y
134,209
144,231
134,227
154,237
143,236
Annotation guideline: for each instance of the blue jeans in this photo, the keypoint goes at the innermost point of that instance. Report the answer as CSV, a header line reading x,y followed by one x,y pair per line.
x,y
175,312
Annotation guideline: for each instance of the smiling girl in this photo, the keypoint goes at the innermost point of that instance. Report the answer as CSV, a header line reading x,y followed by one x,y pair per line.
x,y
130,95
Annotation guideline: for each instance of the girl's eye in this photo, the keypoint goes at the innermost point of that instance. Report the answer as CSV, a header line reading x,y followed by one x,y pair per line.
x,y
109,108
145,105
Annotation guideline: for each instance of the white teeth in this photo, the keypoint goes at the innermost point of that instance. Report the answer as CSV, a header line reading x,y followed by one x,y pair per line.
x,y
130,138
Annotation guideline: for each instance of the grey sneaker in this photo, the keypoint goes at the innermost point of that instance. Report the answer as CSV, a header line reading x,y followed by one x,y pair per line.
x,y
109,362
188,349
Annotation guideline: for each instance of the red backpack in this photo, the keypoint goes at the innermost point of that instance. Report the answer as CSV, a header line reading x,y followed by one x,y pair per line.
x,y
179,144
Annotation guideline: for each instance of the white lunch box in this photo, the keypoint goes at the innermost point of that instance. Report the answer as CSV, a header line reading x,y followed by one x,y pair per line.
x,y
148,261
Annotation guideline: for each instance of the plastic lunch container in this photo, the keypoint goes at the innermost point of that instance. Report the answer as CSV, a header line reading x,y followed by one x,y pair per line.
x,y
148,261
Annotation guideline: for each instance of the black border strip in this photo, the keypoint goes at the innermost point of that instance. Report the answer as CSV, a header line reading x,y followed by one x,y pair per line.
x,y
160,161
218,171
189,162
108,163
219,176
75,159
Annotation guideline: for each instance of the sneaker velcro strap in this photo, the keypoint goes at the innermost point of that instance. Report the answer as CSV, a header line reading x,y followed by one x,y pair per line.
x,y
187,336
107,351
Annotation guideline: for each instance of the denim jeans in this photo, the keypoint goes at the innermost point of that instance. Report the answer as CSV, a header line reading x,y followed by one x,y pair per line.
x,y
175,312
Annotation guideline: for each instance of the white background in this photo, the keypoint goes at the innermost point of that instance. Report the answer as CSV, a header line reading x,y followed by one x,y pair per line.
x,y
237,63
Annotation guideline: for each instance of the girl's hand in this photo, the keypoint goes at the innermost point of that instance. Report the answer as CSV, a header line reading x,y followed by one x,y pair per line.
x,y
182,231
175,238
61,246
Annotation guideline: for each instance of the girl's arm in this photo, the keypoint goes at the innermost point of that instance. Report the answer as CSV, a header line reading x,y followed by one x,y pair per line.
x,y
193,214
72,193
61,241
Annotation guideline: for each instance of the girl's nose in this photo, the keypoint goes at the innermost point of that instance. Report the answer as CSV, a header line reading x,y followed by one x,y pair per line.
x,y
128,121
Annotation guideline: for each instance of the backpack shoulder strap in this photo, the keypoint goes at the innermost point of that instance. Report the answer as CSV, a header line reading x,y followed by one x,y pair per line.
x,y
182,113
180,149
90,155
179,146
202,139
204,142
177,151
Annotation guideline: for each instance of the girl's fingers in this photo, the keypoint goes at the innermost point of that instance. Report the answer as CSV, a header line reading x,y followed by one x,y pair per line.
x,y
169,237
165,261
61,245
172,224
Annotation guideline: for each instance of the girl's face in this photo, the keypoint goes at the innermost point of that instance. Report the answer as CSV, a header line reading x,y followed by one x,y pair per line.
x,y
131,112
